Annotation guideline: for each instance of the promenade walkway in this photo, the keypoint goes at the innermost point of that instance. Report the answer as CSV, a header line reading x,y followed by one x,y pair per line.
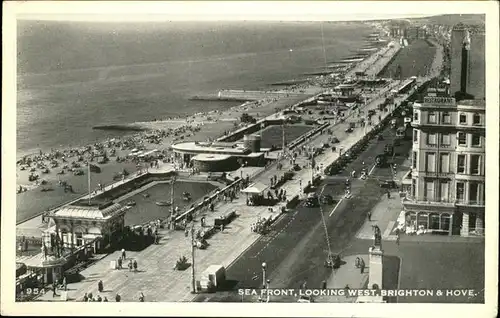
x,y
347,275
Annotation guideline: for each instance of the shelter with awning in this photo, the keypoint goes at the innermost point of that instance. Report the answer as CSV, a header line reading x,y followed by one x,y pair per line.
x,y
255,188
96,222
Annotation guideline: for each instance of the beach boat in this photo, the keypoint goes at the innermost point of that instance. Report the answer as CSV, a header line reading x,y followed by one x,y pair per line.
x,y
130,203
163,203
95,169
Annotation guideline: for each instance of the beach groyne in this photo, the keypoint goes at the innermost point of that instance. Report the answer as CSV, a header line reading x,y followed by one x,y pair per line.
x,y
242,95
123,127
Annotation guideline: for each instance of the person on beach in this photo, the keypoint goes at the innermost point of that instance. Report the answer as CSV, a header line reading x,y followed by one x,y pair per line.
x,y
118,298
135,265
123,254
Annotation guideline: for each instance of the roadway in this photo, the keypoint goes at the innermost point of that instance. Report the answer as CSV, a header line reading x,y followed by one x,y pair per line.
x,y
296,248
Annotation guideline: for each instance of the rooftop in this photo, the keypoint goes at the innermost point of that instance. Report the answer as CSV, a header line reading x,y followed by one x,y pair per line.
x,y
472,102
210,157
92,211
201,147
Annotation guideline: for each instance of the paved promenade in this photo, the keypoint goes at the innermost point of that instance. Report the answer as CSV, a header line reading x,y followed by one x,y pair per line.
x,y
347,275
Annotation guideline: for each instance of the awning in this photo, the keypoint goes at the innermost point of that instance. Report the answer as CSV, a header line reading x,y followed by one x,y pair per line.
x,y
255,188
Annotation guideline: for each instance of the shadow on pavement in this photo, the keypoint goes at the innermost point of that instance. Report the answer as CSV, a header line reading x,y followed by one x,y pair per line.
x,y
390,275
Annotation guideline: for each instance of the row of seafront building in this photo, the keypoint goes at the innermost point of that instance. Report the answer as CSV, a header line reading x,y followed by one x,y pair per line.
x,y
448,166
447,192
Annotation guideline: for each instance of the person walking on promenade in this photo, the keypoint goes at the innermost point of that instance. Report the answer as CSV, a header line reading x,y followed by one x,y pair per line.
x,y
54,290
130,266
346,290
362,265
65,284
85,297
369,216
105,299
141,297
100,286
135,265
118,298
120,263
123,254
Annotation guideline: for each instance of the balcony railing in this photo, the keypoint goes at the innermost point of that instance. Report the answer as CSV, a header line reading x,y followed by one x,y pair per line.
x,y
470,202
444,202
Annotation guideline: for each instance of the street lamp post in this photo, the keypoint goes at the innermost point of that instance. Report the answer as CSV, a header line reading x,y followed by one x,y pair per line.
x,y
264,265
172,200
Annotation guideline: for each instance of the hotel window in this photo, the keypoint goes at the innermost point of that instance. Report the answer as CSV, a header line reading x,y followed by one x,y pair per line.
x,y
429,191
444,163
444,191
415,135
476,119
446,118
460,191
462,118
431,139
475,164
430,163
445,140
431,118
414,161
415,115
462,139
473,192
461,164
476,140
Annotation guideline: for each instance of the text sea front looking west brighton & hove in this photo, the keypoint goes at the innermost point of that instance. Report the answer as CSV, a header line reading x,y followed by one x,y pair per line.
x,y
353,169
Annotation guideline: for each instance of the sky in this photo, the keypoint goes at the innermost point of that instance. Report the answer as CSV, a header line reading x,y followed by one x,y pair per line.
x,y
235,10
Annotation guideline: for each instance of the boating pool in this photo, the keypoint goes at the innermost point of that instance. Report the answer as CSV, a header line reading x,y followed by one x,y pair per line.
x,y
146,209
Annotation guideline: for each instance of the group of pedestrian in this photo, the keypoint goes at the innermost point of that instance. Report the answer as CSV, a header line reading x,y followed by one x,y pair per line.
x,y
89,298
360,263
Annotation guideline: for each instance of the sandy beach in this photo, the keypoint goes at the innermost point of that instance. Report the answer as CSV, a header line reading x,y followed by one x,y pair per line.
x,y
49,190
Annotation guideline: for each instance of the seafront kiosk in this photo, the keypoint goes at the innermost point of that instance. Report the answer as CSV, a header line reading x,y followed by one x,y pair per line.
x,y
84,222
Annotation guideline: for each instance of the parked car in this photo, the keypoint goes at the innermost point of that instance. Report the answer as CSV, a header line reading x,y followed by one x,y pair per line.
x,y
388,184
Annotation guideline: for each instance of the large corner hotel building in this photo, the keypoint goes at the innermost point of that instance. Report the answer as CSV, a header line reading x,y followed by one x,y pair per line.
x,y
448,162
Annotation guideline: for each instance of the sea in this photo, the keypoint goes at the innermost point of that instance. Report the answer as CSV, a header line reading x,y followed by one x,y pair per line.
x,y
72,76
